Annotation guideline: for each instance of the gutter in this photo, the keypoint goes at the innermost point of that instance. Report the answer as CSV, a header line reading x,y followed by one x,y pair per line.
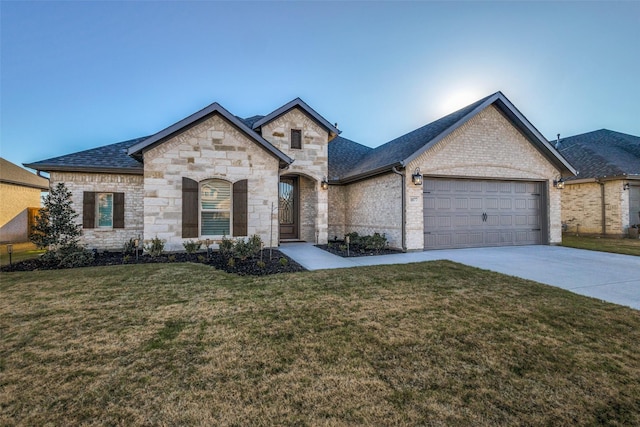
x,y
604,211
404,208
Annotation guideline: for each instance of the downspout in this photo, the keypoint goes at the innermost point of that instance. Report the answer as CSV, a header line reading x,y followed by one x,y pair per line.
x,y
604,212
404,208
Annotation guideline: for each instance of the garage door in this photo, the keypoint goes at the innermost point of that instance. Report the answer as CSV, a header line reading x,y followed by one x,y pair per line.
x,y
465,213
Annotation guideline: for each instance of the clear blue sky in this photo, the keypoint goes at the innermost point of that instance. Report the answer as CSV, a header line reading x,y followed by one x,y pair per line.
x,y
77,75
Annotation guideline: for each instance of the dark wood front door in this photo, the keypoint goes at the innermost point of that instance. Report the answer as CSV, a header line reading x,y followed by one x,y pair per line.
x,y
288,208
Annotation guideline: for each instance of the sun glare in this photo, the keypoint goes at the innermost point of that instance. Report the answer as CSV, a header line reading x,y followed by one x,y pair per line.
x,y
456,99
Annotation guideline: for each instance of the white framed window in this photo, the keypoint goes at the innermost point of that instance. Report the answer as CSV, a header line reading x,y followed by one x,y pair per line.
x,y
215,208
104,210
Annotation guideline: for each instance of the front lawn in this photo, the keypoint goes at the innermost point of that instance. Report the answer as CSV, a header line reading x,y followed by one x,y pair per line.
x,y
603,244
433,343
21,252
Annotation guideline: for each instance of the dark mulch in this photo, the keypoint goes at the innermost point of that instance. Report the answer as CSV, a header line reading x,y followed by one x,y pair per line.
x,y
339,248
272,265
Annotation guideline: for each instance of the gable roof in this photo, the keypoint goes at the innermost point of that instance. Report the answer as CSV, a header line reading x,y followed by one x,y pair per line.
x,y
297,103
137,149
14,174
112,158
400,151
602,153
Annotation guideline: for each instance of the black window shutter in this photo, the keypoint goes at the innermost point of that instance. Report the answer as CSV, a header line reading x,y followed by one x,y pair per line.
x,y
240,208
89,209
189,208
296,138
118,210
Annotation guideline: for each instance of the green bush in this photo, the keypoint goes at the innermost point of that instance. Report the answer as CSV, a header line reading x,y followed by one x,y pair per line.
x,y
226,247
155,248
283,261
192,246
68,256
241,248
129,247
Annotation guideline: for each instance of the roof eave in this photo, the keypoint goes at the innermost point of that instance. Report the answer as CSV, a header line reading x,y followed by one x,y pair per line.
x,y
85,169
368,174
24,184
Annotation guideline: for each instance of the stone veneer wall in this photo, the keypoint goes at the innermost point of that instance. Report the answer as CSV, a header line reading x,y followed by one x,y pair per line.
x,y
582,208
375,205
130,185
487,146
311,163
212,149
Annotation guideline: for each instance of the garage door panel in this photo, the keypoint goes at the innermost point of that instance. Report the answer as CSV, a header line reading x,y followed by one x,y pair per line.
x,y
472,213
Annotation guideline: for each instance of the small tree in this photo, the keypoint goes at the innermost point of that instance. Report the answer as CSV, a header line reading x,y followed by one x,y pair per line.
x,y
55,225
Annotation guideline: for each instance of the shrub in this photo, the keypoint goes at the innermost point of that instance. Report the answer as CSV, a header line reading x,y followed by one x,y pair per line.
x,y
68,256
155,248
192,246
226,247
261,264
129,247
283,261
375,243
55,225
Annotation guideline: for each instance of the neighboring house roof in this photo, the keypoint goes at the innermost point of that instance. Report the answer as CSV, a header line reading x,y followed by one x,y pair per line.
x,y
14,174
602,153
298,103
400,151
136,150
249,121
343,155
111,158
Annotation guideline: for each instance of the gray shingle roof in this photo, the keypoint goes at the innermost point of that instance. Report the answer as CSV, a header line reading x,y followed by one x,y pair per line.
x,y
299,103
602,153
249,121
14,174
111,158
343,155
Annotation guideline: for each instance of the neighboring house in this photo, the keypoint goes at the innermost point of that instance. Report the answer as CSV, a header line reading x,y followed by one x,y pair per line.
x,y
20,191
604,198
286,176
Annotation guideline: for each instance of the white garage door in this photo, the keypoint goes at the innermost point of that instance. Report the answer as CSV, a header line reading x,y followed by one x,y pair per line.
x,y
465,213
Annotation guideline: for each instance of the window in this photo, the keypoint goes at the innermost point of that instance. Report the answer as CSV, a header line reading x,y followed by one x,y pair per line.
x,y
296,138
104,210
215,208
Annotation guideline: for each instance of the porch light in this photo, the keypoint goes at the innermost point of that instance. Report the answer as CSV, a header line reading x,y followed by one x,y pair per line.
x,y
625,186
558,183
324,184
416,178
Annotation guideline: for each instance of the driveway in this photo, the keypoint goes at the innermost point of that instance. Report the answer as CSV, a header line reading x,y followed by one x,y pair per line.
x,y
609,277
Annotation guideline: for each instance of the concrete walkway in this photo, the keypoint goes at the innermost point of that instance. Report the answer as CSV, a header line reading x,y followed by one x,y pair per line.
x,y
609,277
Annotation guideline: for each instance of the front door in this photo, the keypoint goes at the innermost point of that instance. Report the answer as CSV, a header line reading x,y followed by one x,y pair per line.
x,y
288,209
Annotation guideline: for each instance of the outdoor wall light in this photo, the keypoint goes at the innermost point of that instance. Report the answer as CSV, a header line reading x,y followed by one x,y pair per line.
x,y
416,177
558,183
625,186
324,184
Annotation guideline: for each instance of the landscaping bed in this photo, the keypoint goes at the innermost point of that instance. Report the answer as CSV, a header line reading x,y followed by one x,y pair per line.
x,y
354,245
271,262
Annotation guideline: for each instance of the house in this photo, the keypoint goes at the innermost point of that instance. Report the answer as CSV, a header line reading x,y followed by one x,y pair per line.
x,y
482,176
604,198
20,192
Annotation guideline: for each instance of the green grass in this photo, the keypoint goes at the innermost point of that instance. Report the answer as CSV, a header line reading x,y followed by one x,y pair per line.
x,y
21,252
433,343
603,244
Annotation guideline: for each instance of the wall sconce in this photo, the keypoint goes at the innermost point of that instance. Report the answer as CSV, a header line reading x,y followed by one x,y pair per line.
x,y
324,184
625,186
558,183
416,177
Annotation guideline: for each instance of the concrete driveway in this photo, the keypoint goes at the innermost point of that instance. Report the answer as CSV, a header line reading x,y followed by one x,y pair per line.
x,y
609,277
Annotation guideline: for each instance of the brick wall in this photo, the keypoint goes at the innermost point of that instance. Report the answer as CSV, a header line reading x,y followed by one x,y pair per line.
x,y
582,208
130,185
15,199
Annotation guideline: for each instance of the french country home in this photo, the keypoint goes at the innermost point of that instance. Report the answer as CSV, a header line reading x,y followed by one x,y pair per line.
x,y
481,176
